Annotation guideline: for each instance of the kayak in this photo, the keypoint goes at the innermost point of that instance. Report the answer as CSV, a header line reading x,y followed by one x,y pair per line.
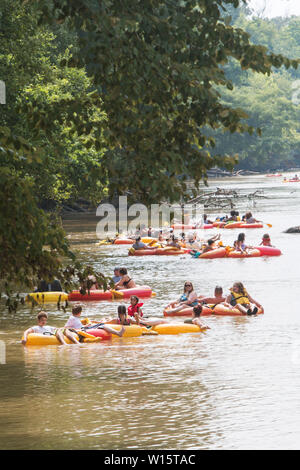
x,y
187,312
176,328
95,295
45,297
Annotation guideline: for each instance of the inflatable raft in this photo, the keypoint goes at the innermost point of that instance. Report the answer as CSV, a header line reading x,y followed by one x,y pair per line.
x,y
268,250
176,328
130,332
191,227
36,339
187,312
95,295
219,310
167,251
222,310
243,225
45,297
256,252
129,241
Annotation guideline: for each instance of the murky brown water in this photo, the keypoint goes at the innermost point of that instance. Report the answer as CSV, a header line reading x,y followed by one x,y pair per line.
x,y
235,387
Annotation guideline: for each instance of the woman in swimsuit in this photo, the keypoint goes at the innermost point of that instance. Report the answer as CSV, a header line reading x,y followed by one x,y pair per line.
x,y
125,282
187,299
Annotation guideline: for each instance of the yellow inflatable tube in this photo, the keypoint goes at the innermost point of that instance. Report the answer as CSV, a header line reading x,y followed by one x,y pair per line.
x,y
36,339
45,297
176,328
130,331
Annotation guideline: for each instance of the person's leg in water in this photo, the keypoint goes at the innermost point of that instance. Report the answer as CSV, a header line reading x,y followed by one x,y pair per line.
x,y
61,332
114,332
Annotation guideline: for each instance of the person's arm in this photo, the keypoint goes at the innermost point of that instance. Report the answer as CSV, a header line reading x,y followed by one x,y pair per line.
x,y
254,302
191,298
197,321
119,283
26,333
227,302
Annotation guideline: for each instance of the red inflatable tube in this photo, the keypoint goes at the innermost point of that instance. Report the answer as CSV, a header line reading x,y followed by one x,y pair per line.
x,y
99,333
188,312
95,295
268,250
222,310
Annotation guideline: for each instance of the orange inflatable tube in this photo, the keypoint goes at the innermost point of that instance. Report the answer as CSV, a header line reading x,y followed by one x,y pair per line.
x,y
222,310
158,251
238,254
187,312
217,253
243,225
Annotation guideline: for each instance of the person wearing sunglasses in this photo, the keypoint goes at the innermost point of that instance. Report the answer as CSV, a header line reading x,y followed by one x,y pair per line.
x,y
189,298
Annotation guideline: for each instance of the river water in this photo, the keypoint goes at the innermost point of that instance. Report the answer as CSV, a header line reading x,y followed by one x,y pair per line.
x,y
237,386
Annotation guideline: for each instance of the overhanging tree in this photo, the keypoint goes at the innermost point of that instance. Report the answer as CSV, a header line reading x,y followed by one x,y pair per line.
x,y
157,64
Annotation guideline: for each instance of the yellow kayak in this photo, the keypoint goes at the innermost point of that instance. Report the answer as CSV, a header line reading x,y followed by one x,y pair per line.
x,y
45,297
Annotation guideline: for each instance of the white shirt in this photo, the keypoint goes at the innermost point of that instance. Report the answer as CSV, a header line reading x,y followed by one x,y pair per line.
x,y
43,329
74,322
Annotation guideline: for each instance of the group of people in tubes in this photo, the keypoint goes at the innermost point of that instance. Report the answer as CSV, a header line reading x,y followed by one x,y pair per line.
x,y
238,298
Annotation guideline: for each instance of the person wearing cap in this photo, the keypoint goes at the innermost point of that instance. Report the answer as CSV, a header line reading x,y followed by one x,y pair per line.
x,y
116,277
139,245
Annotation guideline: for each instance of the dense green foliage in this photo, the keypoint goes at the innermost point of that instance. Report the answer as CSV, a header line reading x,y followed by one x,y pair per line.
x,y
112,97
272,103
